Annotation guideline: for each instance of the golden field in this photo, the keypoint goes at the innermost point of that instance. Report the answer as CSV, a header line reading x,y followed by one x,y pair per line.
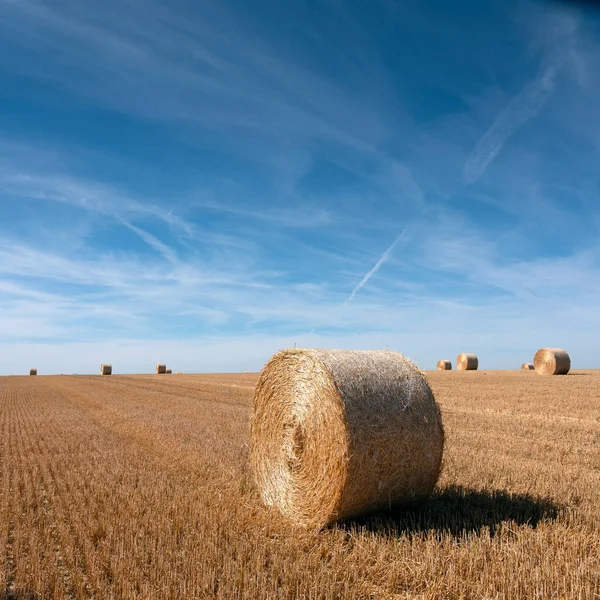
x,y
139,487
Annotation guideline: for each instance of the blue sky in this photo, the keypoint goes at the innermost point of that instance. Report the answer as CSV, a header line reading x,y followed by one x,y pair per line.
x,y
205,183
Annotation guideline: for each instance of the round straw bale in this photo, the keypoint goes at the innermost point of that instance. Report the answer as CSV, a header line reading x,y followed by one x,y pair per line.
x,y
444,365
161,369
467,362
32,371
527,367
105,369
552,361
337,433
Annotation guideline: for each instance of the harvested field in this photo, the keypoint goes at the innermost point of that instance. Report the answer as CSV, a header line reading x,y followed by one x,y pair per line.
x,y
139,487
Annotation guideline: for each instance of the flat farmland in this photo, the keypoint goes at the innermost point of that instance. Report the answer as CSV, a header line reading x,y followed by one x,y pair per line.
x,y
139,487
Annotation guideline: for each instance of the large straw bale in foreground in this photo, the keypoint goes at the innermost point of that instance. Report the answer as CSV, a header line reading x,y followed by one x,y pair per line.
x,y
161,369
105,369
527,367
32,371
467,362
444,365
336,433
552,361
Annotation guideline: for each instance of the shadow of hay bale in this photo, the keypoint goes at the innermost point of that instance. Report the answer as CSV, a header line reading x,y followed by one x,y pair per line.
x,y
459,512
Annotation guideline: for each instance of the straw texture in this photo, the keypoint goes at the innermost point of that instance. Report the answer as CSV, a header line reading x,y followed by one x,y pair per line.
x,y
444,365
467,362
337,433
161,369
105,369
32,371
552,361
527,367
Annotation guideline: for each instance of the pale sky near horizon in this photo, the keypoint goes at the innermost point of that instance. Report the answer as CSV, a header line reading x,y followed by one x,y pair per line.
x,y
205,183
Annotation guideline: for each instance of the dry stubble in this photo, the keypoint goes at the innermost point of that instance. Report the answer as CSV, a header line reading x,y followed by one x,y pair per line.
x,y
137,486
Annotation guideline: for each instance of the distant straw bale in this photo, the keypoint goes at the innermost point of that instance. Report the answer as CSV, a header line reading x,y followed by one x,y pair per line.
x,y
337,433
552,361
444,365
161,369
467,362
105,369
527,367
32,371
169,371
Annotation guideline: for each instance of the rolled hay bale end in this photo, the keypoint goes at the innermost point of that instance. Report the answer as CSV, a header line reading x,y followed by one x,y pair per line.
x,y
32,372
552,361
161,369
169,371
105,369
467,362
444,365
338,433
527,367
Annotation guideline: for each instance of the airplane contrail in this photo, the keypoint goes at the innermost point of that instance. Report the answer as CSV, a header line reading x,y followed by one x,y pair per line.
x,y
523,107
377,266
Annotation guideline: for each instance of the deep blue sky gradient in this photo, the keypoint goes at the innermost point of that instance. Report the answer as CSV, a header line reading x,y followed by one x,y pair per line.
x,y
203,184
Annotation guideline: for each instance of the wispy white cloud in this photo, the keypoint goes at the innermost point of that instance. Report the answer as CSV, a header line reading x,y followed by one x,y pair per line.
x,y
210,70
293,217
322,169
399,182
129,296
86,195
452,245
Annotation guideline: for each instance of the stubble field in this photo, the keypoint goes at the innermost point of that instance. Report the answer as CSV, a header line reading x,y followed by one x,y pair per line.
x,y
138,487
